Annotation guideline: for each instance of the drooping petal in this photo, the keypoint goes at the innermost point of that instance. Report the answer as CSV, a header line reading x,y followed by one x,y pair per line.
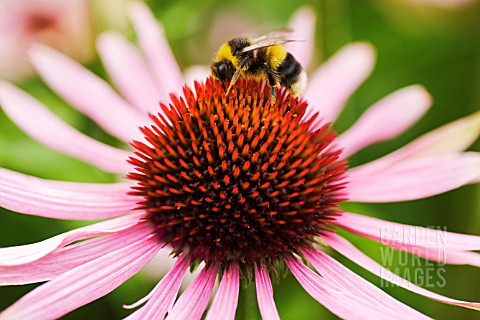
x,y
63,200
442,255
266,304
66,258
156,49
83,284
337,300
435,245
450,138
225,303
391,233
302,23
448,257
415,179
344,247
192,303
18,255
335,81
129,72
369,294
28,113
87,92
162,297
386,119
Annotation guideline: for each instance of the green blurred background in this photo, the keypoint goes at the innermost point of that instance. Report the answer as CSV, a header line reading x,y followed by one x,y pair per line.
x,y
434,46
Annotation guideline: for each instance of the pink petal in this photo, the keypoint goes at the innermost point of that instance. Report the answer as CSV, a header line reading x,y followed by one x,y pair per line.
x,y
193,302
66,258
337,300
13,256
450,138
84,284
129,72
414,179
398,234
441,246
448,257
266,304
225,303
386,119
87,92
156,49
334,82
442,256
302,23
355,285
344,247
28,114
162,297
63,200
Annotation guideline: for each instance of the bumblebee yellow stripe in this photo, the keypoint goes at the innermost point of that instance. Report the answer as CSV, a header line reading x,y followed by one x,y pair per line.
x,y
225,53
277,54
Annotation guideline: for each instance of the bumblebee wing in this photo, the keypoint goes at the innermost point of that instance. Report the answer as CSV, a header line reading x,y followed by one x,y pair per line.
x,y
276,34
267,43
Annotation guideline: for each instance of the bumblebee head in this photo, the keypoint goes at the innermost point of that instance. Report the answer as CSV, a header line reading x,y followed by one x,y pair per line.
x,y
223,70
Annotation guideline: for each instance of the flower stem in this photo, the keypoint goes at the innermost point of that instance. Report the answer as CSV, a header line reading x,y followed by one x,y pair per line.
x,y
247,305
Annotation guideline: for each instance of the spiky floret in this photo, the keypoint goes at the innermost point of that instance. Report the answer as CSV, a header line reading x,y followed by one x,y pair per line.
x,y
235,179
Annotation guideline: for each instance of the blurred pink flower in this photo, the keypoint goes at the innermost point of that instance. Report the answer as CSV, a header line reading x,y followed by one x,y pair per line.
x,y
64,25
78,272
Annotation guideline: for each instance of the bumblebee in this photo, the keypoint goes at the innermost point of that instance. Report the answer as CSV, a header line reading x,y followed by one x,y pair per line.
x,y
260,57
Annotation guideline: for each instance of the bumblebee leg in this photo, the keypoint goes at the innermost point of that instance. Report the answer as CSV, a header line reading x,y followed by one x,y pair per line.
x,y
273,95
271,83
236,75
234,79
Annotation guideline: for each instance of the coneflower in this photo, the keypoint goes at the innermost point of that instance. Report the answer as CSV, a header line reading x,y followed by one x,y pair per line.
x,y
232,181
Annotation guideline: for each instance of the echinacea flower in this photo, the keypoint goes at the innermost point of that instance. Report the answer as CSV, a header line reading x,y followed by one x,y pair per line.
x,y
230,181
64,25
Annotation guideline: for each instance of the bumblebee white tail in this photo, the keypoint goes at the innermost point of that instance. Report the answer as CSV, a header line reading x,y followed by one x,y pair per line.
x,y
300,85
